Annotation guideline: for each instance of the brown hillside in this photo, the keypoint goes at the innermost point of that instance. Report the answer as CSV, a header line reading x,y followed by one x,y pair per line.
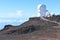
x,y
33,29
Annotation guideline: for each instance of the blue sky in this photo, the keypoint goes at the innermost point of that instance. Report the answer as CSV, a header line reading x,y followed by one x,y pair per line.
x,y
17,11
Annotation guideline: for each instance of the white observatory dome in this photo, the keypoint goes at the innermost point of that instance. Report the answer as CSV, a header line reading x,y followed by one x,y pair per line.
x,y
42,9
39,9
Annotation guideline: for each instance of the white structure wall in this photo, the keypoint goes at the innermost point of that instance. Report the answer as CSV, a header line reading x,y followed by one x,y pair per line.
x,y
42,11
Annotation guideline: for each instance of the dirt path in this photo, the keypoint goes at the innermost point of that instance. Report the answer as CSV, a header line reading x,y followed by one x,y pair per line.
x,y
49,20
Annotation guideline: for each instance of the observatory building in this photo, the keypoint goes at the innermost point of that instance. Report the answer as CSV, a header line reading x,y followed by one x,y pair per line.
x,y
42,10
47,14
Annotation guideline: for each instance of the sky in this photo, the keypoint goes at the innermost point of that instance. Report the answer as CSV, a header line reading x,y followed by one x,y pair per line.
x,y
15,12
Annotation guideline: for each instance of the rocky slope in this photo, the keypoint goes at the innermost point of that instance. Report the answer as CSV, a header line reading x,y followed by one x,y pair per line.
x,y
33,29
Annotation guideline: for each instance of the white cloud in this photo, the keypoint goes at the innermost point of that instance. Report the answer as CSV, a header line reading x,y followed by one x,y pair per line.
x,y
19,13
10,18
9,21
12,15
33,15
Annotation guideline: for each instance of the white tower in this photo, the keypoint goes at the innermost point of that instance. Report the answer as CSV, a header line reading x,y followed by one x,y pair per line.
x,y
42,10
